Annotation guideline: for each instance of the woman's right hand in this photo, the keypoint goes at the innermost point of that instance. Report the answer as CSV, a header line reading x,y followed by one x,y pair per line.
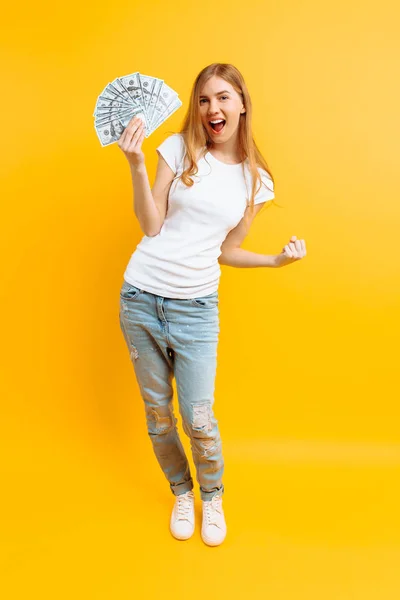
x,y
131,141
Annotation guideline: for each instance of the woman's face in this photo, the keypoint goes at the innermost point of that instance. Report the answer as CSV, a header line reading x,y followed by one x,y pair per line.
x,y
218,100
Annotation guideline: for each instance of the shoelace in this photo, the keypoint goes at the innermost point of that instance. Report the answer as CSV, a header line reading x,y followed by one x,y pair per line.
x,y
213,512
184,506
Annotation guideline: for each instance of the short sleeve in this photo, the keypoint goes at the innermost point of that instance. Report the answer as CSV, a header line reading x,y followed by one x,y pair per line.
x,y
172,149
266,191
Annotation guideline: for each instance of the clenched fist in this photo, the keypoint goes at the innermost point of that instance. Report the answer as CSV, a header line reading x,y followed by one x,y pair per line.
x,y
293,251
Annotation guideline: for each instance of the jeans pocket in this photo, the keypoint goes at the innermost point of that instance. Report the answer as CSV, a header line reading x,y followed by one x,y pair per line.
x,y
129,292
210,301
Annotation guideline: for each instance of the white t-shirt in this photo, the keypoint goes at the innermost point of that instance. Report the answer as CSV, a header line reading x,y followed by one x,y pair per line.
x,y
181,261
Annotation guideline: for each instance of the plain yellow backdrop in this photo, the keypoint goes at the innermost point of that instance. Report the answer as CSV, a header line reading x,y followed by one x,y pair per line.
x,y
307,389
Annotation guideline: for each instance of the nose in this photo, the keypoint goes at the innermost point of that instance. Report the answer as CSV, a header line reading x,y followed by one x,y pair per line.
x,y
211,110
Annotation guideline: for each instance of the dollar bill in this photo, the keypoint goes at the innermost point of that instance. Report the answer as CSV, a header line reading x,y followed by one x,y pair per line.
x,y
165,99
116,114
131,83
174,107
104,102
113,111
109,133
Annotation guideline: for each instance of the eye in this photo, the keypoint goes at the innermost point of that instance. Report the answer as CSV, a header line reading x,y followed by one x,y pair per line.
x,y
222,97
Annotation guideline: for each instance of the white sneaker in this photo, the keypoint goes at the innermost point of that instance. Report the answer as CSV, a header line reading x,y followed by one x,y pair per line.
x,y
213,529
182,517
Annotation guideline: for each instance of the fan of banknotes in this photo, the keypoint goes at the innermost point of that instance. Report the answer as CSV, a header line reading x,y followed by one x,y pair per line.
x,y
147,97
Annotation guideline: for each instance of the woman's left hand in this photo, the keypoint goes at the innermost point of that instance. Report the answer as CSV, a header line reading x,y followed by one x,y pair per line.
x,y
293,251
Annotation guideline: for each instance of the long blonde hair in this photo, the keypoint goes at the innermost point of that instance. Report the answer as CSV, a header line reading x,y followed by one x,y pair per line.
x,y
196,137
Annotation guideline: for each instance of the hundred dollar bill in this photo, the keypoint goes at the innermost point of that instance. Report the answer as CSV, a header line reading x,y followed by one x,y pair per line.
x,y
157,87
165,99
132,84
103,102
114,110
151,89
114,115
122,91
124,118
177,103
113,94
109,133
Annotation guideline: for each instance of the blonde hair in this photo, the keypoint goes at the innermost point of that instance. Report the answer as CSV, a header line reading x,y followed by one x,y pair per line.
x,y
196,137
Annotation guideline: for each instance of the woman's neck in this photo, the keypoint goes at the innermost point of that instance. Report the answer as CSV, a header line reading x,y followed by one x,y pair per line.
x,y
228,151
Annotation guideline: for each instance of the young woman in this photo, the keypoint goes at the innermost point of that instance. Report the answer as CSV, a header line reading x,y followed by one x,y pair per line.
x,y
211,181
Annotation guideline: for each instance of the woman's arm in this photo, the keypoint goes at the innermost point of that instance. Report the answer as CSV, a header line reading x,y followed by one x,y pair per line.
x,y
235,256
149,205
143,202
238,257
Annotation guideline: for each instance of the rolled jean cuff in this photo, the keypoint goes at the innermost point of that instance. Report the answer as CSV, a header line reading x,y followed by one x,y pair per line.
x,y
208,495
181,488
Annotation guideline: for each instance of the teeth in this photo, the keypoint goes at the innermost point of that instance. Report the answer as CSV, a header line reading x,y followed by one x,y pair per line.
x,y
219,121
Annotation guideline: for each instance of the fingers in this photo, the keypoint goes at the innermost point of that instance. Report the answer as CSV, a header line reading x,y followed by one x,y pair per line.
x,y
133,131
288,251
296,248
132,134
293,246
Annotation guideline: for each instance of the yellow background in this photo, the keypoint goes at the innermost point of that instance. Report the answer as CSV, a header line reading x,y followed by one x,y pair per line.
x,y
307,391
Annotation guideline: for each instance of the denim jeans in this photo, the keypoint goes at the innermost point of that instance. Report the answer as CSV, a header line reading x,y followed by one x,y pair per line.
x,y
166,338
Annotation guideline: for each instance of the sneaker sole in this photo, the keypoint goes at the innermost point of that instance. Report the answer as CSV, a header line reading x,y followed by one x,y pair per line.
x,y
177,537
212,542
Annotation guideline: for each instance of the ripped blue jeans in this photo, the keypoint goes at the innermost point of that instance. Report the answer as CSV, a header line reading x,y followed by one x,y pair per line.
x,y
166,338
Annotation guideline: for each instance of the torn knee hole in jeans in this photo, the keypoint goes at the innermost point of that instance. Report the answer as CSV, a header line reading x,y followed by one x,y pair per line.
x,y
202,417
163,422
204,446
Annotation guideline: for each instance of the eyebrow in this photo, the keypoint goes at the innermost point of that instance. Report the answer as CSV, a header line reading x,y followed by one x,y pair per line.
x,y
218,93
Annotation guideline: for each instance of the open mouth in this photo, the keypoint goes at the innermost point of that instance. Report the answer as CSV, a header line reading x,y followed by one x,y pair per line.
x,y
218,127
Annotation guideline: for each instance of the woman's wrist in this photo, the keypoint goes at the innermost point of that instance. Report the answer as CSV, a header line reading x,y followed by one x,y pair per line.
x,y
138,168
